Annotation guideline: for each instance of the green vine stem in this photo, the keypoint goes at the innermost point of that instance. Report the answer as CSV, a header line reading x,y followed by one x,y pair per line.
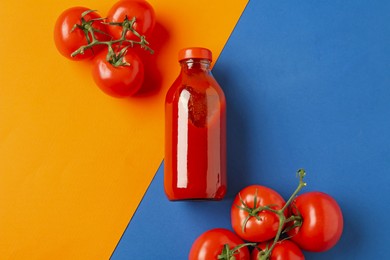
x,y
90,34
229,254
265,254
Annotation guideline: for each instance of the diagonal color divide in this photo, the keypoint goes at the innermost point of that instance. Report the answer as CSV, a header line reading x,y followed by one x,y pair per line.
x,y
75,163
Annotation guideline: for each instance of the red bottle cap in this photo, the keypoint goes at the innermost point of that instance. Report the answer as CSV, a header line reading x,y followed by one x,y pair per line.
x,y
195,53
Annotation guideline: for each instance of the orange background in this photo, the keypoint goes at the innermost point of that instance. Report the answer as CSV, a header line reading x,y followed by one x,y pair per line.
x,y
74,162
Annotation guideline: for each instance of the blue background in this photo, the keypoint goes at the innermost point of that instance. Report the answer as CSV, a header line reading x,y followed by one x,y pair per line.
x,y
307,85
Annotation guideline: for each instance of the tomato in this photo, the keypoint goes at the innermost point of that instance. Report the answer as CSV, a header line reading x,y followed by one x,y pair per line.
x,y
322,221
68,39
140,9
210,245
250,223
283,250
119,81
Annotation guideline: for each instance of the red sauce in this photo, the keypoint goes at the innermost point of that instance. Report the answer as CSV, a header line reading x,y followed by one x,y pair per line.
x,y
195,135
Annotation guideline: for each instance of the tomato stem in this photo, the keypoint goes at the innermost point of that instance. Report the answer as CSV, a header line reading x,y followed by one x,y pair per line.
x,y
301,174
228,254
252,212
90,33
265,254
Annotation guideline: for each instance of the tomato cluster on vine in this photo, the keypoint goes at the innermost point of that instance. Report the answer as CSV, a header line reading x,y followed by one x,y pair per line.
x,y
266,227
114,43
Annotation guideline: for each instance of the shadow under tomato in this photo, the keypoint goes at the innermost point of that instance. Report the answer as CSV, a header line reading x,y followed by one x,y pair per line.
x,y
153,77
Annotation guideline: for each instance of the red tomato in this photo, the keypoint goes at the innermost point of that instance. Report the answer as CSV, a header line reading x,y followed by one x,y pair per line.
x,y
283,250
322,222
68,40
261,225
140,9
210,245
118,81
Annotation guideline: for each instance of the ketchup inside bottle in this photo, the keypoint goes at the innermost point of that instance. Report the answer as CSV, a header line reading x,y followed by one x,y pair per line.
x,y
195,131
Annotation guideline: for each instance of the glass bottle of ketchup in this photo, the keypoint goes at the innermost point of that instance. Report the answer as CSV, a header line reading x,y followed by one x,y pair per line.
x,y
195,131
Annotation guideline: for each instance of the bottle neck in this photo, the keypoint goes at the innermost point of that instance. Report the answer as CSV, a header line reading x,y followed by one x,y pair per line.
x,y
195,64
